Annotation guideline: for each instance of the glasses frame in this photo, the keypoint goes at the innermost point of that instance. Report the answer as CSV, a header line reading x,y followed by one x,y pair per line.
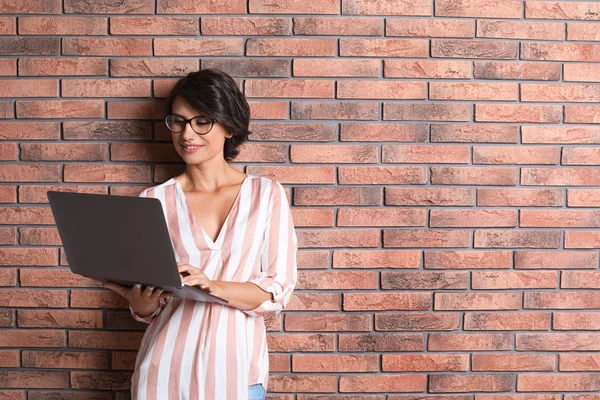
x,y
189,121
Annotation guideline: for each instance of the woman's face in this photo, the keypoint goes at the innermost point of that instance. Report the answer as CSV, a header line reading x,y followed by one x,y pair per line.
x,y
210,144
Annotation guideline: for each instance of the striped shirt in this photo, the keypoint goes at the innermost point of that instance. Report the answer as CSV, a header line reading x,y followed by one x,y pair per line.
x,y
198,350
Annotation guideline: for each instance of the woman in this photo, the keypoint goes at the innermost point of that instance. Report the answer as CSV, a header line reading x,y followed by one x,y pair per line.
x,y
233,236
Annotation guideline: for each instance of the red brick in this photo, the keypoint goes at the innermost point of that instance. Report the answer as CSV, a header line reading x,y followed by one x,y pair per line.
x,y
29,88
538,71
106,88
8,276
299,47
560,52
250,68
27,256
338,26
246,26
59,319
383,383
525,238
479,8
33,298
386,7
357,301
317,132
289,88
295,174
556,259
424,363
154,26
318,342
328,322
31,7
335,363
514,280
521,30
377,132
506,321
560,92
454,48
62,25
425,154
471,383
351,47
314,302
35,379
269,109
333,153
507,197
578,362
425,238
560,134
339,238
101,380
302,383
427,111
65,359
64,66
473,91
474,176
97,299
9,359
397,90
138,109
411,321
381,342
22,45
381,217
429,196
469,341
293,7
336,67
433,69
423,27
8,67
60,109
105,340
33,338
477,301
107,46
562,176
558,382
561,10
121,7
382,175
337,280
376,259
561,300
557,342
559,218
335,110
581,31
517,113
583,197
583,114
198,46
424,280
194,7
575,321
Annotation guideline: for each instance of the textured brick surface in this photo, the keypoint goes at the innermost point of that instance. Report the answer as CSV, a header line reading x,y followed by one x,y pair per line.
x,y
441,157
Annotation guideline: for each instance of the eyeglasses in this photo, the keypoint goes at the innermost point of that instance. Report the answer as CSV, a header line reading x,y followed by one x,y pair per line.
x,y
200,125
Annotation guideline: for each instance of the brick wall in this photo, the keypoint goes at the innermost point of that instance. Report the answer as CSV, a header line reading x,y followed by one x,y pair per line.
x,y
441,157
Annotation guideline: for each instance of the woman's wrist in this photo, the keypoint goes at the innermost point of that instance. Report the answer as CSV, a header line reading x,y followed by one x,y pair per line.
x,y
145,311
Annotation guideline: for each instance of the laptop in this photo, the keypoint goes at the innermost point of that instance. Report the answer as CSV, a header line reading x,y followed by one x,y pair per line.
x,y
121,239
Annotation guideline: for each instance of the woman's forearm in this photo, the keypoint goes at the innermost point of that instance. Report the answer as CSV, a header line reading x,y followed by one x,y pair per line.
x,y
242,295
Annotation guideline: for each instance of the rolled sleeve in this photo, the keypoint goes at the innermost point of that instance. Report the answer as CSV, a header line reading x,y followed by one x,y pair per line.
x,y
278,273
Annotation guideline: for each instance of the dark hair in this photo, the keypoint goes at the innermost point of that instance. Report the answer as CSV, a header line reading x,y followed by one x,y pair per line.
x,y
216,95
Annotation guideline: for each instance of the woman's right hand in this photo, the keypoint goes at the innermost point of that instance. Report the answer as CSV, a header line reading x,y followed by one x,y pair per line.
x,y
143,301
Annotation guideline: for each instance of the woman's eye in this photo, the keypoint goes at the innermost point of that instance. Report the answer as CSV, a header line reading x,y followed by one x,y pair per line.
x,y
201,121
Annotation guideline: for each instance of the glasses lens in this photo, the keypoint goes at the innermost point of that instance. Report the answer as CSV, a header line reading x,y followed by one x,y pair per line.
x,y
175,123
201,125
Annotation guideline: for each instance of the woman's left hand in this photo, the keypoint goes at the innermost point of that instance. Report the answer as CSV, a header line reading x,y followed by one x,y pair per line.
x,y
196,278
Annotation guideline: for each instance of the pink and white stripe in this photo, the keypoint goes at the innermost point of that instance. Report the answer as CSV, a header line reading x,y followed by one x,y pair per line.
x,y
207,351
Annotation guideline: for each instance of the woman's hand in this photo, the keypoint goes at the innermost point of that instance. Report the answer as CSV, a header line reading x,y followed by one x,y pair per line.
x,y
193,276
143,301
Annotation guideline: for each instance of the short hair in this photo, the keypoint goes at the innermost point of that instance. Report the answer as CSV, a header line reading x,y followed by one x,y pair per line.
x,y
216,95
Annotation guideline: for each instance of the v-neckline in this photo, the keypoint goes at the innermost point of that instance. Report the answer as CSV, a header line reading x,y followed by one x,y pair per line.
x,y
216,243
